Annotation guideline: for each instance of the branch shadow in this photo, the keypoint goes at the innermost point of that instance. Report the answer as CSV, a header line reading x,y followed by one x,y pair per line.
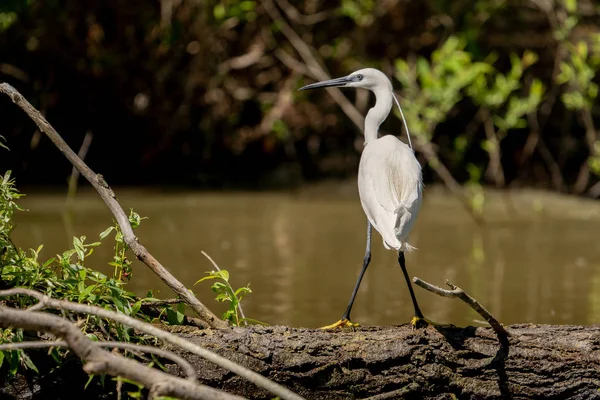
x,y
456,338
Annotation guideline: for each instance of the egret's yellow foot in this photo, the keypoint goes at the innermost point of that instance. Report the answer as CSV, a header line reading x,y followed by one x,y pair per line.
x,y
422,322
419,322
342,323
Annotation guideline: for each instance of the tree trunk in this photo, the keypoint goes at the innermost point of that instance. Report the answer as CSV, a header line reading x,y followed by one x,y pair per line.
x,y
541,361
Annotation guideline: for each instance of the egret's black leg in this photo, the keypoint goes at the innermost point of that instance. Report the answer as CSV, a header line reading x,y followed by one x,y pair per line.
x,y
345,321
418,313
366,262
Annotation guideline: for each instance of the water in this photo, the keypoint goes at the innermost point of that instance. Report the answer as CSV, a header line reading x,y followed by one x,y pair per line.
x,y
536,260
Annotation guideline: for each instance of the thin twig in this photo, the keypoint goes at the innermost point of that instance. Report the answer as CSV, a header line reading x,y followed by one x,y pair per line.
x,y
495,167
110,199
594,191
222,362
299,18
185,366
73,180
474,304
164,302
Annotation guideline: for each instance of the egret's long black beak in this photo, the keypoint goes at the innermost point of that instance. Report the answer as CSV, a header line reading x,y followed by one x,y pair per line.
x,y
330,83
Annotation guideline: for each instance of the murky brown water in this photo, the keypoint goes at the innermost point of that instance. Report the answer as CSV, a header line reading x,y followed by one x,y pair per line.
x,y
537,260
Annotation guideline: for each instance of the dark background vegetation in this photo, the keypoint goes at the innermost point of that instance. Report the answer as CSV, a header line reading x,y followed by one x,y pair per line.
x,y
203,93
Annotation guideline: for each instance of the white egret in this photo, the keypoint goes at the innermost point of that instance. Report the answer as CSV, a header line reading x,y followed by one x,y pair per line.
x,y
389,180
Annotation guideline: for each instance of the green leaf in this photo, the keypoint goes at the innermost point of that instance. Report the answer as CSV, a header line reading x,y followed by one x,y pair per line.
x,y
78,246
106,232
29,363
92,337
90,378
175,317
47,263
14,362
136,307
223,297
218,287
243,291
206,278
224,274
571,5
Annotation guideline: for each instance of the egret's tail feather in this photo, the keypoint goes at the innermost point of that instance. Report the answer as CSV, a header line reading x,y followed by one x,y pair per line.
x,y
408,248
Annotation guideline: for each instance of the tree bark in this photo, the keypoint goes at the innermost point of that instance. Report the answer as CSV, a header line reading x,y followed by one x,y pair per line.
x,y
541,361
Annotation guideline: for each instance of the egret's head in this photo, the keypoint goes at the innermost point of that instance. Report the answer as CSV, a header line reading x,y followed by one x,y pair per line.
x,y
368,78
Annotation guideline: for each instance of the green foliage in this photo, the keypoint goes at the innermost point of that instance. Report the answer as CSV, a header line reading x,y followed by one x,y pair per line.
x,y
499,93
577,72
360,11
65,276
8,205
9,10
244,10
433,87
226,293
566,25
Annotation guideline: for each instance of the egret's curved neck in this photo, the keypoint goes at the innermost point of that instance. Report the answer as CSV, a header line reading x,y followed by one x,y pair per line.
x,y
377,114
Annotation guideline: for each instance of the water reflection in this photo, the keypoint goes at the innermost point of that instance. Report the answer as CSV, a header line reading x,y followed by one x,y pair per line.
x,y
537,260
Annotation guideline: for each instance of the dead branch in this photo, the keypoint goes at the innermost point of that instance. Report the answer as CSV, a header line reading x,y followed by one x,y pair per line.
x,y
110,199
74,179
99,361
474,304
185,366
495,171
294,15
255,378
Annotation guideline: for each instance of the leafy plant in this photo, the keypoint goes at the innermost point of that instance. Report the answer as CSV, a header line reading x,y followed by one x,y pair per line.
x,y
433,87
225,293
503,107
65,276
579,67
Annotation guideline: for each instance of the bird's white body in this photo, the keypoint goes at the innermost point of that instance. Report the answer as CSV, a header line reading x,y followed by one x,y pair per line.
x,y
389,179
389,175
390,187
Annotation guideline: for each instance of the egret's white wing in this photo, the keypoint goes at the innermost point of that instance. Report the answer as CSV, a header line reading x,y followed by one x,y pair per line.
x,y
390,188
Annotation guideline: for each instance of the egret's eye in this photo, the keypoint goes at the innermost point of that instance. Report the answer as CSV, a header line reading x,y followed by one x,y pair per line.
x,y
359,77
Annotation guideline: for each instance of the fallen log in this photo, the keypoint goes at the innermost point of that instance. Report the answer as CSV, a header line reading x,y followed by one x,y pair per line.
x,y
540,361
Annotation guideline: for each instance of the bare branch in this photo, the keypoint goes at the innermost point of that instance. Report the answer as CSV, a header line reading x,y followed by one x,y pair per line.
x,y
185,366
299,18
474,304
109,197
222,362
99,361
164,302
41,344
73,180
